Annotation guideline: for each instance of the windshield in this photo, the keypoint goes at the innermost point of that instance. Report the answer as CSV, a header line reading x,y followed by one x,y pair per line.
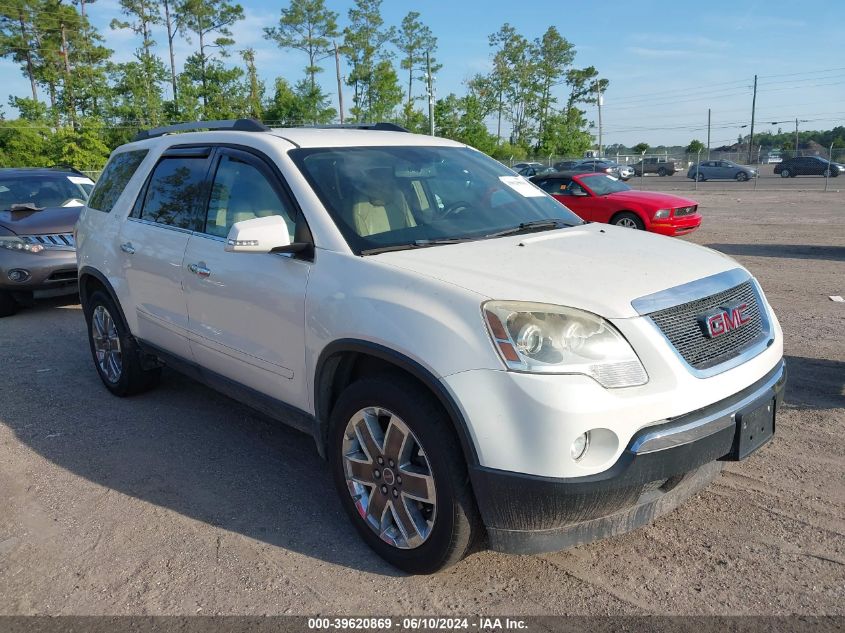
x,y
602,185
43,190
392,196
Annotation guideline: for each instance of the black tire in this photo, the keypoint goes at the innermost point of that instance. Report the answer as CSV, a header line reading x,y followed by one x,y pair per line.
x,y
661,171
741,176
626,218
785,173
8,305
456,522
700,177
132,378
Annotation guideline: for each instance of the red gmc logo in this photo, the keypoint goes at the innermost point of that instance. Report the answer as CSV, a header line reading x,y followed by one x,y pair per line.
x,y
724,320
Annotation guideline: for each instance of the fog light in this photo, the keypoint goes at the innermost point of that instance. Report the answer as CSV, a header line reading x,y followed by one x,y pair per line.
x,y
18,275
580,446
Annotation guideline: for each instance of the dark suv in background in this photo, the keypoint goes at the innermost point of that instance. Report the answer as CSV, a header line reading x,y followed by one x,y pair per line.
x,y
38,210
808,166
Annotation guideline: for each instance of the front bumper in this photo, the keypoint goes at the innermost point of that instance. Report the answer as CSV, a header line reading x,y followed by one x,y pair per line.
x,y
661,467
676,226
50,273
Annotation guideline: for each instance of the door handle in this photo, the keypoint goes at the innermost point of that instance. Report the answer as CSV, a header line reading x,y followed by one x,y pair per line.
x,y
199,270
128,248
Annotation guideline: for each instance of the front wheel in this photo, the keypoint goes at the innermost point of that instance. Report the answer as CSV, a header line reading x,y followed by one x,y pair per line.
x,y
661,171
629,221
8,305
700,178
116,355
400,474
741,176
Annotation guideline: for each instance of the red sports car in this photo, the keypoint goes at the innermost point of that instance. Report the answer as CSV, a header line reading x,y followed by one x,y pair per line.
x,y
602,198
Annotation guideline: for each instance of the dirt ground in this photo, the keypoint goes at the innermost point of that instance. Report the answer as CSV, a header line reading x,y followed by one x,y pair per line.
x,y
184,502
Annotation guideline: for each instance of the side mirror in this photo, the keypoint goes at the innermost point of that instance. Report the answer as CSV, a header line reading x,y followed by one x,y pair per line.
x,y
258,235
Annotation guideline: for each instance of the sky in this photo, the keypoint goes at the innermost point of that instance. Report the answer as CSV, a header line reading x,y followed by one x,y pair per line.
x,y
667,61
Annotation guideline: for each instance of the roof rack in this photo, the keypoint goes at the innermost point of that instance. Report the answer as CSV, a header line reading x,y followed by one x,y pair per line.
x,y
237,125
382,126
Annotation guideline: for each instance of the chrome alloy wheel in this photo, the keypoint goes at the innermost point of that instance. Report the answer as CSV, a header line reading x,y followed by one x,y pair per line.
x,y
389,477
628,223
106,344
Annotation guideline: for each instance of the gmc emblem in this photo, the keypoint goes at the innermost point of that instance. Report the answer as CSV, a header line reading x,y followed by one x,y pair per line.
x,y
724,320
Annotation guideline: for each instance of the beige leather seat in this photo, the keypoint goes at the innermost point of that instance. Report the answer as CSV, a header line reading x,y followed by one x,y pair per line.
x,y
380,212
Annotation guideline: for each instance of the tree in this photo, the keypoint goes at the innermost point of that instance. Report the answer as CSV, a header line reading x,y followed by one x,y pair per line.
x,y
414,40
553,54
205,19
220,90
15,37
695,147
364,43
517,86
307,26
256,86
640,148
138,83
286,107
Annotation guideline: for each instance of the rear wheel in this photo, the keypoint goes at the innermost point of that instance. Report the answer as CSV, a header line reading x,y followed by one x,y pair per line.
x,y
8,305
400,474
628,220
116,355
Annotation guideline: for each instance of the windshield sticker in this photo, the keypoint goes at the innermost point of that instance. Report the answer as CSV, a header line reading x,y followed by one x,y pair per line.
x,y
80,180
522,186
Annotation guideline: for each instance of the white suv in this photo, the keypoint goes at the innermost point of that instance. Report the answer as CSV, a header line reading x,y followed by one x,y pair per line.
x,y
472,359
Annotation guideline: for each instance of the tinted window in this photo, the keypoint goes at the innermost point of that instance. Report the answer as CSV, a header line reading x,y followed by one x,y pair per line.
x,y
556,185
242,192
603,185
112,181
175,192
40,190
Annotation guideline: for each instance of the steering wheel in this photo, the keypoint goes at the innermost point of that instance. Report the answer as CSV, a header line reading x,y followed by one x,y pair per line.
x,y
454,209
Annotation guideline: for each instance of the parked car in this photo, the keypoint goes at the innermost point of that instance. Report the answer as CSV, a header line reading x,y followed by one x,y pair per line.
x,y
565,165
517,166
534,170
602,198
38,208
720,170
466,352
654,165
599,165
808,166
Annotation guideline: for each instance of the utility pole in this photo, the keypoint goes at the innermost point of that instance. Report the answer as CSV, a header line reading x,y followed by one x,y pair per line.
x,y
339,85
430,94
796,136
708,135
598,102
753,110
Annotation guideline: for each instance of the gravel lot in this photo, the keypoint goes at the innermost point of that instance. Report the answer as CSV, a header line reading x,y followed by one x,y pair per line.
x,y
182,501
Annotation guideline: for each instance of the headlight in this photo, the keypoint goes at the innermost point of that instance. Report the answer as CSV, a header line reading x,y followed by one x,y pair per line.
x,y
549,339
14,243
662,214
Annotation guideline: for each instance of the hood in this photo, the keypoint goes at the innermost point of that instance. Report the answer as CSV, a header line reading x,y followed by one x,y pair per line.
x,y
659,200
594,267
47,221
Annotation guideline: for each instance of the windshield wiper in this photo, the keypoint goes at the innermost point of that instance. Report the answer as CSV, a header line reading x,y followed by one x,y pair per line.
x,y
416,244
534,225
25,206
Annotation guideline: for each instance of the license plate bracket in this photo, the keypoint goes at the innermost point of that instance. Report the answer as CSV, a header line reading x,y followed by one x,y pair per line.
x,y
754,427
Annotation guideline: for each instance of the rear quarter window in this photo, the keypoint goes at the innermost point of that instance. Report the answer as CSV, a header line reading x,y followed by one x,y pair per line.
x,y
113,180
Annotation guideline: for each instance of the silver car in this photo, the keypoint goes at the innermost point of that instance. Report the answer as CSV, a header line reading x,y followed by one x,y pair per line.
x,y
720,170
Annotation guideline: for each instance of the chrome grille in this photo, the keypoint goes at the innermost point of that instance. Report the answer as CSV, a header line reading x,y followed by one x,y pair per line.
x,y
58,241
682,211
680,324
